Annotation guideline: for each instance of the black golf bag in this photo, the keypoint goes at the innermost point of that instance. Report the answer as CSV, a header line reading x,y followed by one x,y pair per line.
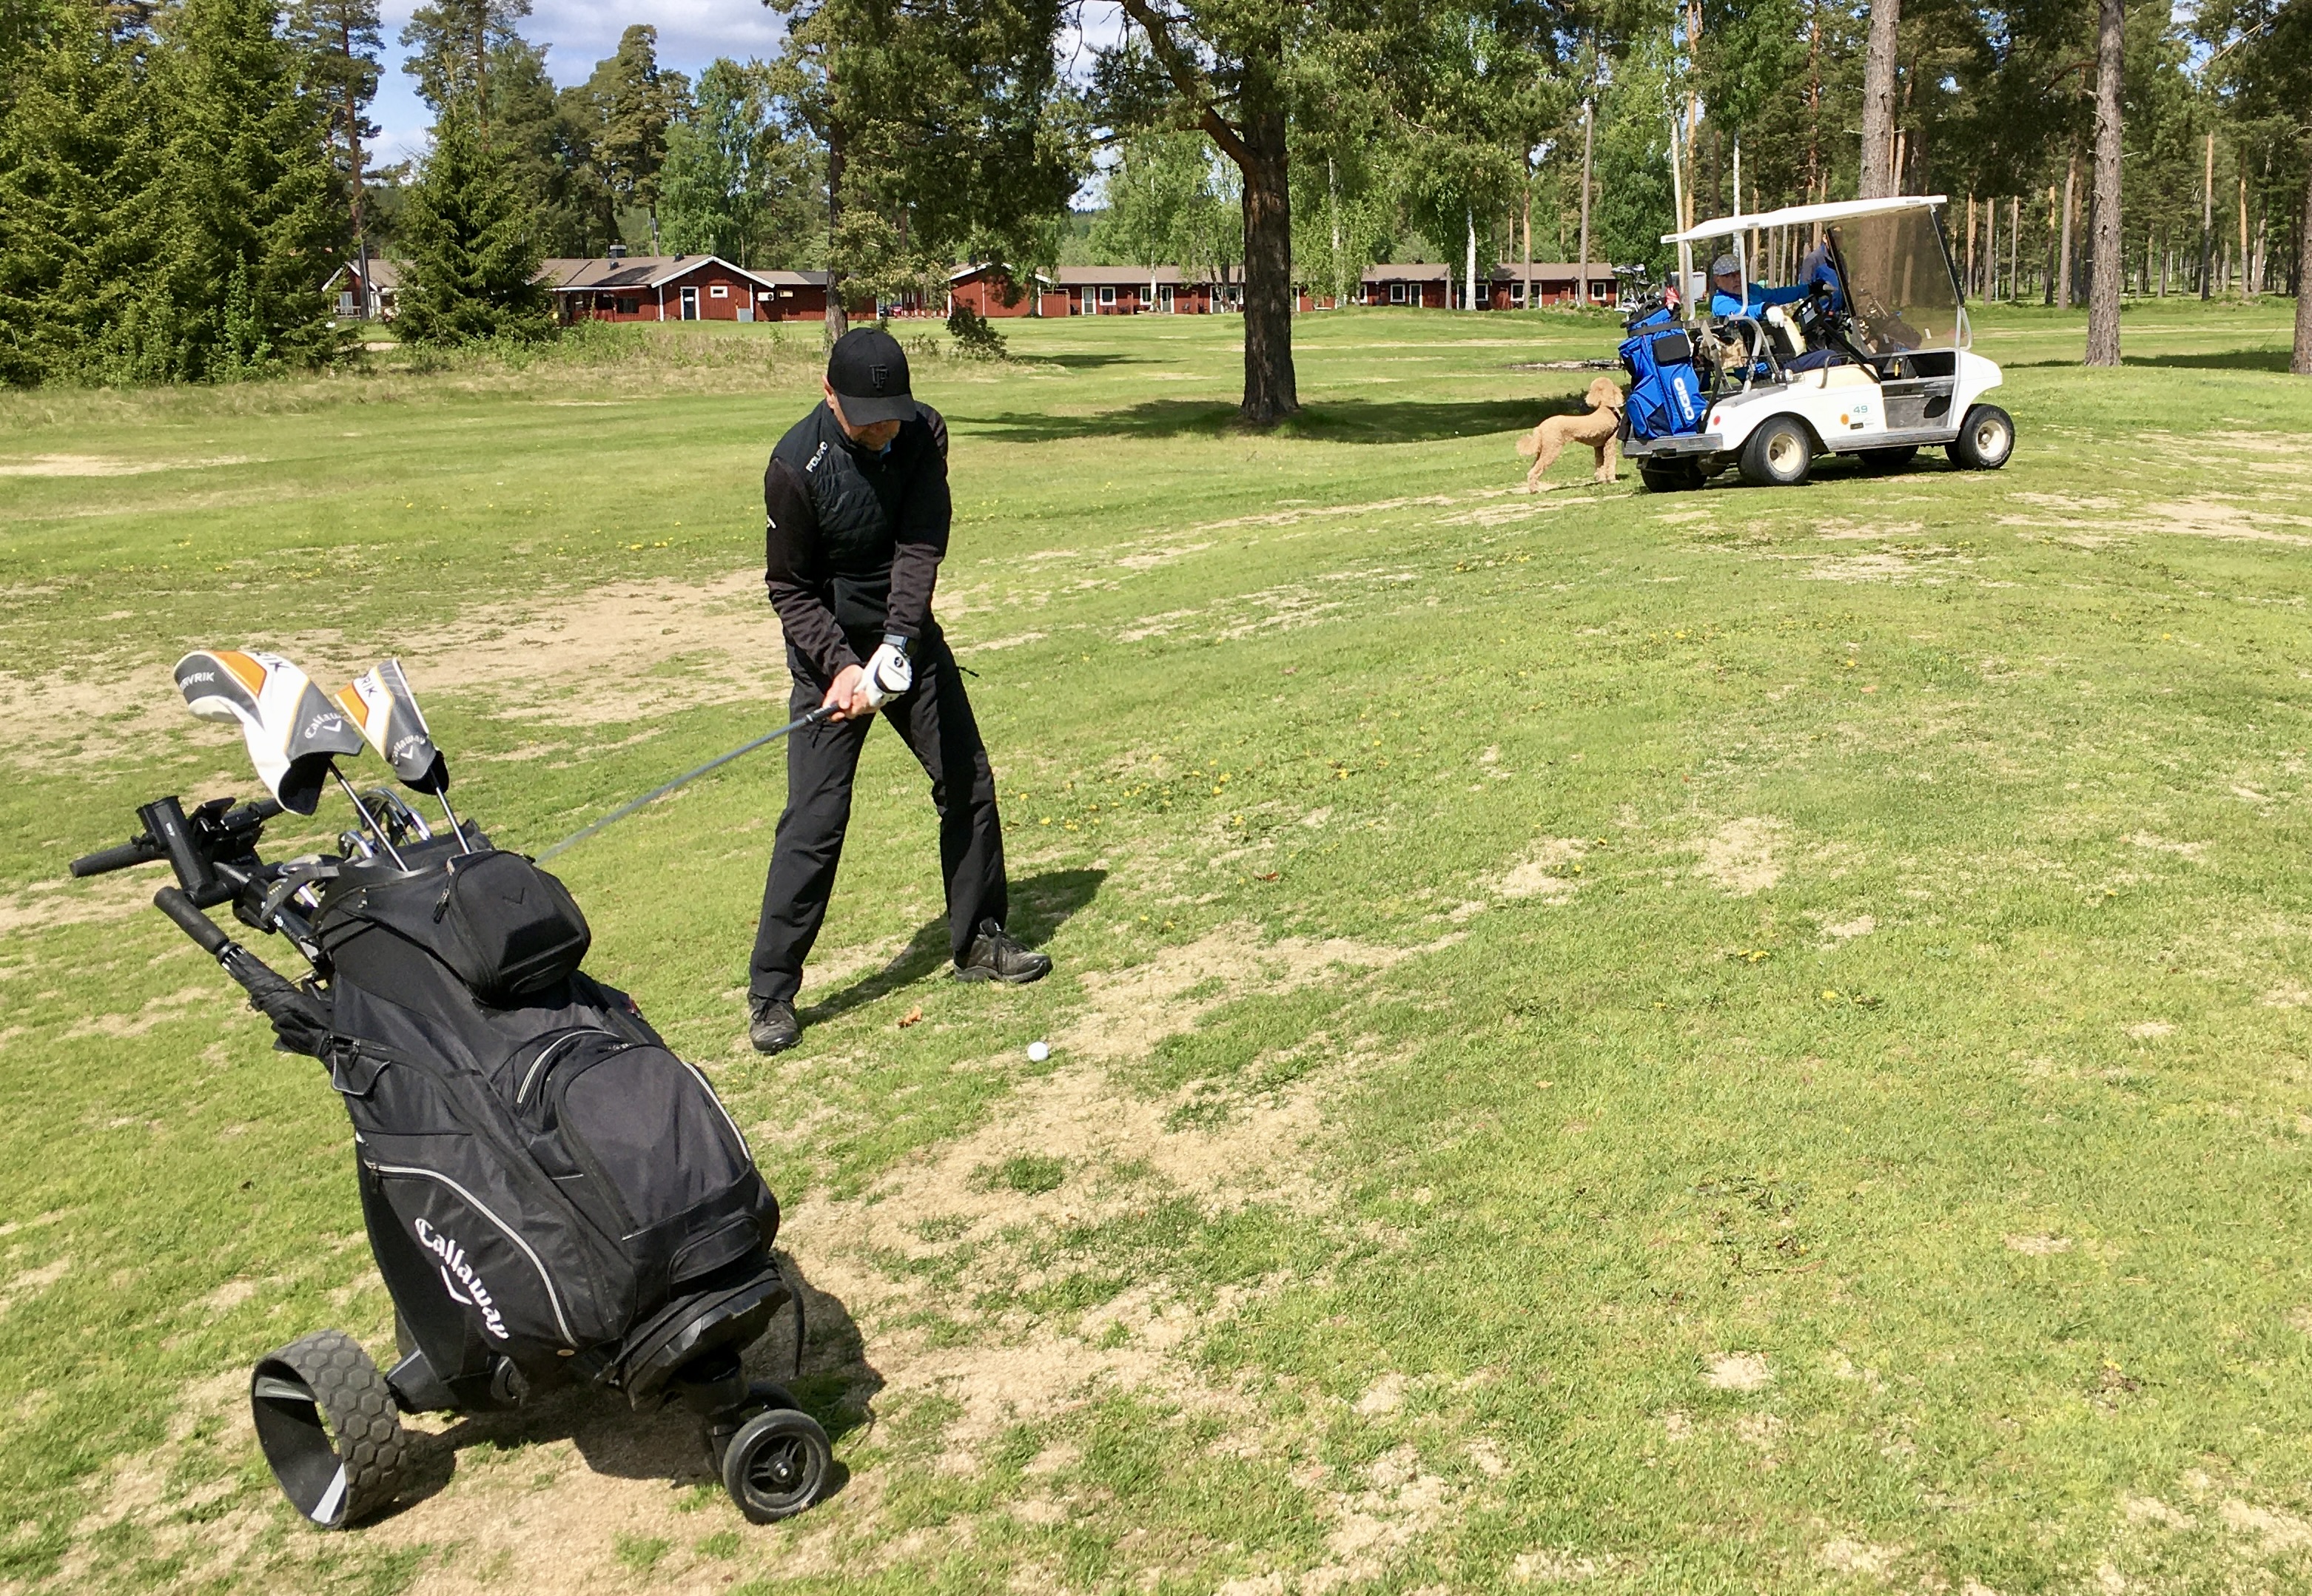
x,y
552,1196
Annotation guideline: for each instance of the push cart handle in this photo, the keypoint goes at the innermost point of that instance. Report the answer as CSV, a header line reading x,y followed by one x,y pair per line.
x,y
139,850
172,901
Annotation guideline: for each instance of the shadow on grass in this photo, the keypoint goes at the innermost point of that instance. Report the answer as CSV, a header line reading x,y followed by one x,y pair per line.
x,y
1326,420
2225,360
833,1381
1040,906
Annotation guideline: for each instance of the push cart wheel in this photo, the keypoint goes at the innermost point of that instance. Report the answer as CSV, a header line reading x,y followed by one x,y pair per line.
x,y
1985,439
762,1397
1779,455
326,1419
777,1465
1890,459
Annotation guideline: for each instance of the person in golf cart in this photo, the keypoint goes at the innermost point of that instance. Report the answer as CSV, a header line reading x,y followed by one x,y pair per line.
x,y
1730,296
1811,341
855,524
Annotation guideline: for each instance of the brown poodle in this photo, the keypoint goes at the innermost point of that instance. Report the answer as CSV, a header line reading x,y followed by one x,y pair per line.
x,y
1600,429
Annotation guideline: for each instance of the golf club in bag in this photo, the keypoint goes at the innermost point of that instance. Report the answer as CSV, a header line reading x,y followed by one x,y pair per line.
x,y
553,1197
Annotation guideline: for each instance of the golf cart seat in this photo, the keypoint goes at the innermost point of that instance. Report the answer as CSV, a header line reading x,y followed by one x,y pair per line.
x,y
1847,375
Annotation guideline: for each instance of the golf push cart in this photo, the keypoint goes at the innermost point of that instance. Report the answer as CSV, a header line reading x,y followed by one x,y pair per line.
x,y
552,1196
1874,361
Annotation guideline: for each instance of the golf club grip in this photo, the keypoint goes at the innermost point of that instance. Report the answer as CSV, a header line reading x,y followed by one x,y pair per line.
x,y
172,901
141,851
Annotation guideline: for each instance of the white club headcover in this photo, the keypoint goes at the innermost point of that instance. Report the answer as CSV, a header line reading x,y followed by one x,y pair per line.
x,y
291,728
385,709
889,673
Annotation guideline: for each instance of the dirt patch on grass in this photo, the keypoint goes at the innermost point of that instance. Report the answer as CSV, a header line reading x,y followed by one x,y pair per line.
x,y
107,465
1740,856
628,652
2227,519
1736,1371
1549,871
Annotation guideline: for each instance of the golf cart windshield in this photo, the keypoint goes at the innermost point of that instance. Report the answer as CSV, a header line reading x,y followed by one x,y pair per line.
x,y
1899,282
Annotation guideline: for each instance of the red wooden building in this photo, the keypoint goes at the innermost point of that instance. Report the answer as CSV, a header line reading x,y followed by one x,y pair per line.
x,y
373,301
983,287
679,288
1512,286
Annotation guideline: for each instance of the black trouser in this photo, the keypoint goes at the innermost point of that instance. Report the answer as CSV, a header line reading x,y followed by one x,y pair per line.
x,y
934,716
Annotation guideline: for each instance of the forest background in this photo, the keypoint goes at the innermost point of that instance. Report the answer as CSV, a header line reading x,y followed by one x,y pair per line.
x,y
178,181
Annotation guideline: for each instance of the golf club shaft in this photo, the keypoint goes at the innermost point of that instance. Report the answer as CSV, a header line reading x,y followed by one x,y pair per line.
x,y
370,820
457,826
824,712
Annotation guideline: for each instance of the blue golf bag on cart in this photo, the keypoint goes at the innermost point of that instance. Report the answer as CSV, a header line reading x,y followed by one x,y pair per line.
x,y
1665,388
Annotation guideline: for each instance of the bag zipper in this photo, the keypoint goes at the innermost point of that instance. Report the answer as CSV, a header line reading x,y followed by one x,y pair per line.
x,y
549,1050
513,1235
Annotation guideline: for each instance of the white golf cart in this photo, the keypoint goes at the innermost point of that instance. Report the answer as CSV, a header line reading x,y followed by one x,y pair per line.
x,y
1874,361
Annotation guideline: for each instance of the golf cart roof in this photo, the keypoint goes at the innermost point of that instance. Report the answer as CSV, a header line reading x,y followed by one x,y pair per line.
x,y
1845,210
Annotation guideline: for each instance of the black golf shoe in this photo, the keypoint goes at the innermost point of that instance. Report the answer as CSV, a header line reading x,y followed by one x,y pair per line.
x,y
995,956
773,1028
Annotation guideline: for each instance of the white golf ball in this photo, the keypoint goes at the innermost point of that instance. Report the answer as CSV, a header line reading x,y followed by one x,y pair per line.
x,y
1038,1053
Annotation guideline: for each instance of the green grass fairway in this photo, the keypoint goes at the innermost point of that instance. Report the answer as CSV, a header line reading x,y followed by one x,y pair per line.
x,y
1732,1041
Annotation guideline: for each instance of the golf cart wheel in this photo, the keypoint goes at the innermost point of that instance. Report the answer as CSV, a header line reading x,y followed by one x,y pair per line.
x,y
1669,476
327,1421
777,1465
1985,440
762,1397
1890,459
1779,455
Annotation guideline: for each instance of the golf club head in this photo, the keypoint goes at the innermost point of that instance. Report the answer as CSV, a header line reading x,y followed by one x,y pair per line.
x,y
382,705
293,730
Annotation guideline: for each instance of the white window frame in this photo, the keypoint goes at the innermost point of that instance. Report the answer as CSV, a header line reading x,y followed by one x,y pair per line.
x,y
718,291
1108,298
1397,295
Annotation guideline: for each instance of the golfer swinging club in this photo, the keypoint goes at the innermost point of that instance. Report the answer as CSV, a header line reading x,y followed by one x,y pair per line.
x,y
855,514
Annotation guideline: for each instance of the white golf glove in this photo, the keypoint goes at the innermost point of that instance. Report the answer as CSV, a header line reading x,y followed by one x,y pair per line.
x,y
886,673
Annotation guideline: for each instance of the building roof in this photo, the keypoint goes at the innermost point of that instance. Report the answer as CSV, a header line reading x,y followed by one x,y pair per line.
x,y
976,267
566,273
384,275
1838,210
1507,270
1116,276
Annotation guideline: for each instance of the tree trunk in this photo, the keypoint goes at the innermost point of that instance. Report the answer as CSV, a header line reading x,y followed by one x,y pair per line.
x,y
354,162
1469,274
838,317
2054,230
1879,177
2300,361
2110,252
1814,102
1589,149
2064,295
2247,263
2208,222
1271,392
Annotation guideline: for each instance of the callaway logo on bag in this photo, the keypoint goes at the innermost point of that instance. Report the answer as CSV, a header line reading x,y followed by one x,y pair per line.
x,y
453,1263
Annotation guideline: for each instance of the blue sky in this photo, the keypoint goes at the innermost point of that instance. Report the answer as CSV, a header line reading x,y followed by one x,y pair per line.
x,y
577,33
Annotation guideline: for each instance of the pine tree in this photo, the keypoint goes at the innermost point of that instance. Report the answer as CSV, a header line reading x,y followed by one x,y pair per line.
x,y
454,40
253,215
78,230
340,41
470,248
627,107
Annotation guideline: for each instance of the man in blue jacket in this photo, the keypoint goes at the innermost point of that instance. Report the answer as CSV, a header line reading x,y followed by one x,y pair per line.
x,y
1728,296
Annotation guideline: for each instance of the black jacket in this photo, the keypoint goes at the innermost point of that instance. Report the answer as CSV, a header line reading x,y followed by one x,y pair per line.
x,y
851,541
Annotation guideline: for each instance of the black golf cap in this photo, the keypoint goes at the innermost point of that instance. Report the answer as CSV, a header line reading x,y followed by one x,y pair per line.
x,y
868,371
